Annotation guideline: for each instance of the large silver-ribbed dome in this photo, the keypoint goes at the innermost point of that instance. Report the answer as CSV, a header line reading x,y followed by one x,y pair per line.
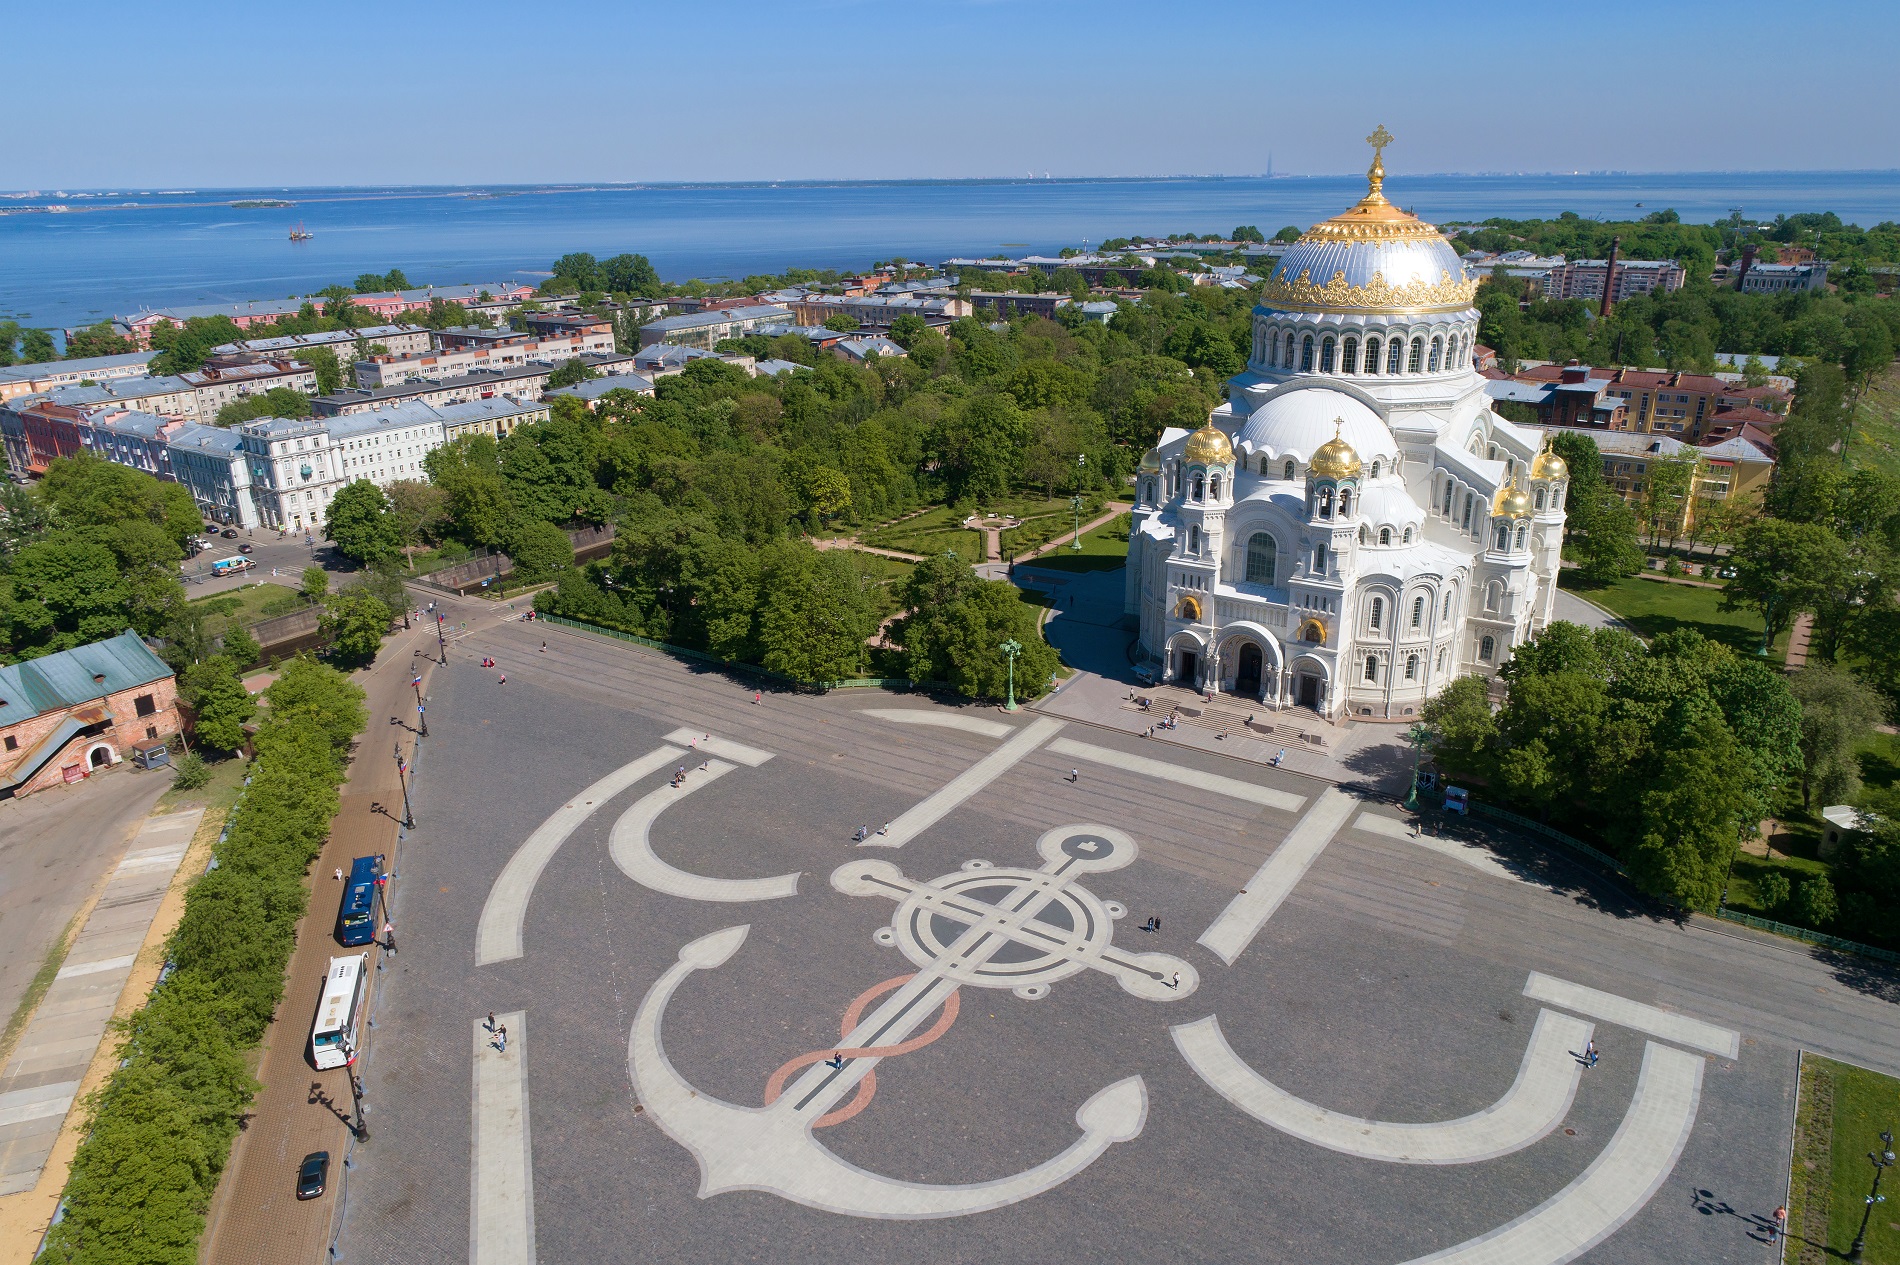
x,y
1372,257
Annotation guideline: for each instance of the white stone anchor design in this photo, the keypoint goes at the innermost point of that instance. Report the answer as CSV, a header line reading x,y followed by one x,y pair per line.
x,y
985,926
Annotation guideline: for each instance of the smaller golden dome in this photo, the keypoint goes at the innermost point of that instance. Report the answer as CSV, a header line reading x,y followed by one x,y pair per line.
x,y
1209,446
1151,460
1512,502
1335,459
1548,465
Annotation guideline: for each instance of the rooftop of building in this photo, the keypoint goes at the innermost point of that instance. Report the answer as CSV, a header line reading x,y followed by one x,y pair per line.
x,y
81,366
72,678
720,316
594,388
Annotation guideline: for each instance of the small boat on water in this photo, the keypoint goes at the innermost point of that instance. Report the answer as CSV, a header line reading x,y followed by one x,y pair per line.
x,y
300,233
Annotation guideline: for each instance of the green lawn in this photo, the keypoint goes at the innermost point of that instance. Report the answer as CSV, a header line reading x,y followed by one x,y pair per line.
x,y
1843,1110
1654,607
1875,444
241,607
1104,549
930,534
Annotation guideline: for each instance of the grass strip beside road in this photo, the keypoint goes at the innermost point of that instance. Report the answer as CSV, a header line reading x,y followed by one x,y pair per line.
x,y
43,980
1843,1110
1654,607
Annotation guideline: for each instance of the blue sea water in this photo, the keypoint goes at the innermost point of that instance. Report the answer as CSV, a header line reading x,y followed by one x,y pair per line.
x,y
116,251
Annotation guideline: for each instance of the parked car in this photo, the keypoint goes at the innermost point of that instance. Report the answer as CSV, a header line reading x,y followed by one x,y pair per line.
x,y
313,1174
1726,573
1458,800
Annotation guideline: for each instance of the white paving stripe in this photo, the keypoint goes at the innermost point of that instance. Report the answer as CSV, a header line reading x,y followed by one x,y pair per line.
x,y
725,748
1615,1186
151,859
1228,936
501,1178
1623,1012
1469,853
498,937
633,849
943,720
74,969
1536,1103
37,1103
934,807
1167,772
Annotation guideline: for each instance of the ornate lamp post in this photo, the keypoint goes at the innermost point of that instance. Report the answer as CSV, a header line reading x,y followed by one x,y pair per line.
x,y
422,713
1011,649
402,768
1075,502
441,641
1883,1160
1418,735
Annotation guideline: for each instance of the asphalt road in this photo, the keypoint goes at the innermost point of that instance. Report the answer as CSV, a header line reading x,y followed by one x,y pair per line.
x,y
1389,985
55,846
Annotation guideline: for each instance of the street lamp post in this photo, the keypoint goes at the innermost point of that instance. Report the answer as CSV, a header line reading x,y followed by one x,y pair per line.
x,y
1075,503
1883,1160
442,642
1011,649
422,713
1418,735
408,818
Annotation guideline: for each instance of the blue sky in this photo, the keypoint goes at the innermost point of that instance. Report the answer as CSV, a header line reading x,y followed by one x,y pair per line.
x,y
191,93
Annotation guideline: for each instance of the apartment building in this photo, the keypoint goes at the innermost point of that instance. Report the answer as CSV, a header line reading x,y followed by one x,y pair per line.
x,y
215,386
346,345
139,326
508,353
295,470
210,463
18,380
517,382
1586,278
877,311
1005,304
707,329
390,304
1664,401
1760,278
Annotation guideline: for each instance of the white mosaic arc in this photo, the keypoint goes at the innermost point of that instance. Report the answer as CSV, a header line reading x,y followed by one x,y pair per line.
x,y
1466,853
501,1176
1653,1020
772,1149
632,848
725,748
1536,1103
1232,787
940,803
1228,936
498,936
1615,1186
942,720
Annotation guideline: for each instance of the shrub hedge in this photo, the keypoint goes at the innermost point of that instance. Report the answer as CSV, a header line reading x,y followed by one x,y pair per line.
x,y
162,1127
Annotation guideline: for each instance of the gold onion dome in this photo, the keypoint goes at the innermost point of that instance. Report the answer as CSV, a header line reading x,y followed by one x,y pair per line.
x,y
1209,446
1335,459
1548,465
1512,502
1151,460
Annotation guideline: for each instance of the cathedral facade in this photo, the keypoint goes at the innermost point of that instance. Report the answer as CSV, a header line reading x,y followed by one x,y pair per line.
x,y
1354,528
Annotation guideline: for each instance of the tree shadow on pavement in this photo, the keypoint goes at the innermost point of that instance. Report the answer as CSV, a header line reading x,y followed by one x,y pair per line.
x,y
1863,975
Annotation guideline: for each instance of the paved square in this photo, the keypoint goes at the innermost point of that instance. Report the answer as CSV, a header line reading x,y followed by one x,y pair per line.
x,y
736,1032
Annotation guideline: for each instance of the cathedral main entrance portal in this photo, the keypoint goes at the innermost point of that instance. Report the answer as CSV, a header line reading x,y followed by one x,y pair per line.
x,y
1247,678
1309,690
1190,665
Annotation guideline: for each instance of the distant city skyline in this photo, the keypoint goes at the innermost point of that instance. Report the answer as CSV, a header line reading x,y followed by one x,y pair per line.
x,y
219,96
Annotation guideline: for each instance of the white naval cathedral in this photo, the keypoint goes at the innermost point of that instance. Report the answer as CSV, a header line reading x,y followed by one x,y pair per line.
x,y
1355,528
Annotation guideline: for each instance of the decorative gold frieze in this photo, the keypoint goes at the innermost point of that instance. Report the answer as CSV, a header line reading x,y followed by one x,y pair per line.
x,y
1376,295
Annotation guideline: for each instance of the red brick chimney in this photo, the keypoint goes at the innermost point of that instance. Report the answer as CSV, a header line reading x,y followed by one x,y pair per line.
x,y
1748,261
1609,277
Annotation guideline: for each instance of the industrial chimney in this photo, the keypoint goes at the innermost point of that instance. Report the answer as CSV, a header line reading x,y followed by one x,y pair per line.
x,y
1748,261
1609,277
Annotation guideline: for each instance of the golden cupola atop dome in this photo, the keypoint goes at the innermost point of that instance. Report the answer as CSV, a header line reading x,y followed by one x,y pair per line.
x,y
1151,460
1512,502
1335,459
1209,446
1548,465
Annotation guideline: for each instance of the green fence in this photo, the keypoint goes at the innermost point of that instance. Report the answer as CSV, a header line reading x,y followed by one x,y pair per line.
x,y
855,683
1578,846
1812,937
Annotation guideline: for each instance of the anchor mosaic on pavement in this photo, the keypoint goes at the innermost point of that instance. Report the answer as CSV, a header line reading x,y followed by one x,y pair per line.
x,y
1078,994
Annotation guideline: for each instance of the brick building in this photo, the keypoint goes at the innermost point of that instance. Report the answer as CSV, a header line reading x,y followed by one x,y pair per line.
x,y
67,714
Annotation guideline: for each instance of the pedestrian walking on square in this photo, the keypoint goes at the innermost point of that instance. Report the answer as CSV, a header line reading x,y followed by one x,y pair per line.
x,y
1780,1227
1175,982
1075,775
835,1062
1589,1053
339,874
501,1039
491,1021
884,829
544,647
755,697
504,678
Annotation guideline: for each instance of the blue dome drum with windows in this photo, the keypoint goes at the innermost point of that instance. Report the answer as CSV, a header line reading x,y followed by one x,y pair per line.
x,y
1354,528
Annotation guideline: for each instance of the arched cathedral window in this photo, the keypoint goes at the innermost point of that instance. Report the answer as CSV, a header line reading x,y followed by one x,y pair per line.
x,y
1262,556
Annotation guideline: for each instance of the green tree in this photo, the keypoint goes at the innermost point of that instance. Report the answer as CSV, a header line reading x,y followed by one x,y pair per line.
x,y
361,524
1838,715
420,511
240,647
957,625
907,329
1691,816
220,701
276,402
814,615
354,623
539,550
102,339
1248,233
316,584
1783,569
1815,902
839,323
468,471
572,372
1463,728
323,362
631,274
66,592
1772,890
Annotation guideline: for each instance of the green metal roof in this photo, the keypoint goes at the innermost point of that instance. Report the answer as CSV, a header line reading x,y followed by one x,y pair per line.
x,y
66,679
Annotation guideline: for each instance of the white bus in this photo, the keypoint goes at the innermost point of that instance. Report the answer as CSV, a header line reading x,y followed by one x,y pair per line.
x,y
333,1036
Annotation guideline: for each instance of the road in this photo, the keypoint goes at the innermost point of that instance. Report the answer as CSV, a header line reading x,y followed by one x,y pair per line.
x,y
55,847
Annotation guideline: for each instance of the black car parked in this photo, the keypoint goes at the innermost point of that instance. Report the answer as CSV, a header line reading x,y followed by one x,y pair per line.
x,y
313,1175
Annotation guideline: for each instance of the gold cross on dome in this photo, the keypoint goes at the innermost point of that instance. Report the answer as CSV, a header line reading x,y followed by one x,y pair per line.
x,y
1375,174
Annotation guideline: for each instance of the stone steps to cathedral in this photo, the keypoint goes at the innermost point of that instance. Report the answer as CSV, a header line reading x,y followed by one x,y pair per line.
x,y
1227,718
